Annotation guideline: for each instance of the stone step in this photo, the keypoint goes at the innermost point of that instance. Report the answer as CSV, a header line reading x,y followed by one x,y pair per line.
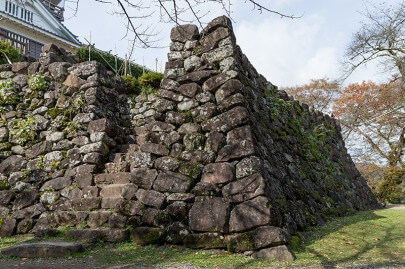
x,y
128,148
116,167
126,191
100,234
111,202
113,178
45,249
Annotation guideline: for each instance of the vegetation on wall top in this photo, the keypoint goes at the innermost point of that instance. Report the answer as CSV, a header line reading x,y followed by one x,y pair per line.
x,y
12,53
110,61
145,84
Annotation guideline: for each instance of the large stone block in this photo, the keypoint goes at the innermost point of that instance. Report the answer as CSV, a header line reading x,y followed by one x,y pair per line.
x,y
209,214
99,234
179,210
103,125
151,198
167,163
126,191
211,40
144,177
13,163
29,212
222,21
229,88
190,89
218,173
248,166
237,135
172,182
215,140
244,189
147,236
156,149
140,159
204,112
258,238
235,151
196,76
250,214
183,33
281,253
227,121
56,184
205,241
42,249
25,198
213,83
84,204
7,227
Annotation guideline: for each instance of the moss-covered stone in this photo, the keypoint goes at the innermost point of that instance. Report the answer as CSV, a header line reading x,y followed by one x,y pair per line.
x,y
8,94
37,82
23,131
205,241
147,235
54,112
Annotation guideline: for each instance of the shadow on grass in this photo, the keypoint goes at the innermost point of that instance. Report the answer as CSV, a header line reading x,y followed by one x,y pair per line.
x,y
368,237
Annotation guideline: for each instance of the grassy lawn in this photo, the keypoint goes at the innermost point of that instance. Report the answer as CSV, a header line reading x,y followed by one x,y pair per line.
x,y
372,237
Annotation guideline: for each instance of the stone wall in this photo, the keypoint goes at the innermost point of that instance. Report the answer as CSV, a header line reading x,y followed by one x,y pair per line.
x,y
216,158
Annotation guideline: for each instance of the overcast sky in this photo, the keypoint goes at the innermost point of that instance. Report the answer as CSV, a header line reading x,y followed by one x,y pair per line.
x,y
287,52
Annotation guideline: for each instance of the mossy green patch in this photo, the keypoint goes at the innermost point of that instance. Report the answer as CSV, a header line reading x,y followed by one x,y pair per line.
x,y
4,185
23,130
294,243
54,112
37,82
8,95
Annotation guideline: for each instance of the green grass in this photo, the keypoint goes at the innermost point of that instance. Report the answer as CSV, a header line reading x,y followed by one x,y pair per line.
x,y
371,237
9,241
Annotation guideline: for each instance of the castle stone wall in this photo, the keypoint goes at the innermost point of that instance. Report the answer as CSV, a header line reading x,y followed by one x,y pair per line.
x,y
216,158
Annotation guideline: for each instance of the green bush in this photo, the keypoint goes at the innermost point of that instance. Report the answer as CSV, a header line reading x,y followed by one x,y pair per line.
x,y
106,59
147,90
294,242
152,79
8,95
390,189
12,53
37,82
132,84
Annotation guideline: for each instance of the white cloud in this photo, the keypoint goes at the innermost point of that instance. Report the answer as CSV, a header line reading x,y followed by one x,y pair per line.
x,y
286,52
323,64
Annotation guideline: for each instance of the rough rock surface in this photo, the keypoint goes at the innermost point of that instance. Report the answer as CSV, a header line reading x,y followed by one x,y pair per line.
x,y
216,156
46,249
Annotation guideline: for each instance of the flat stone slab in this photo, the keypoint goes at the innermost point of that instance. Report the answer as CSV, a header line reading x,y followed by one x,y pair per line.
x,y
46,249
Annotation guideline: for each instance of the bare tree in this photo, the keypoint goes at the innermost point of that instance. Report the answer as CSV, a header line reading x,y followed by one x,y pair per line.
x,y
381,37
172,11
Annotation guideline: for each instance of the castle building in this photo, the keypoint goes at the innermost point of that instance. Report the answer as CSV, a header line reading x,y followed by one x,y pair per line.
x,y
29,24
